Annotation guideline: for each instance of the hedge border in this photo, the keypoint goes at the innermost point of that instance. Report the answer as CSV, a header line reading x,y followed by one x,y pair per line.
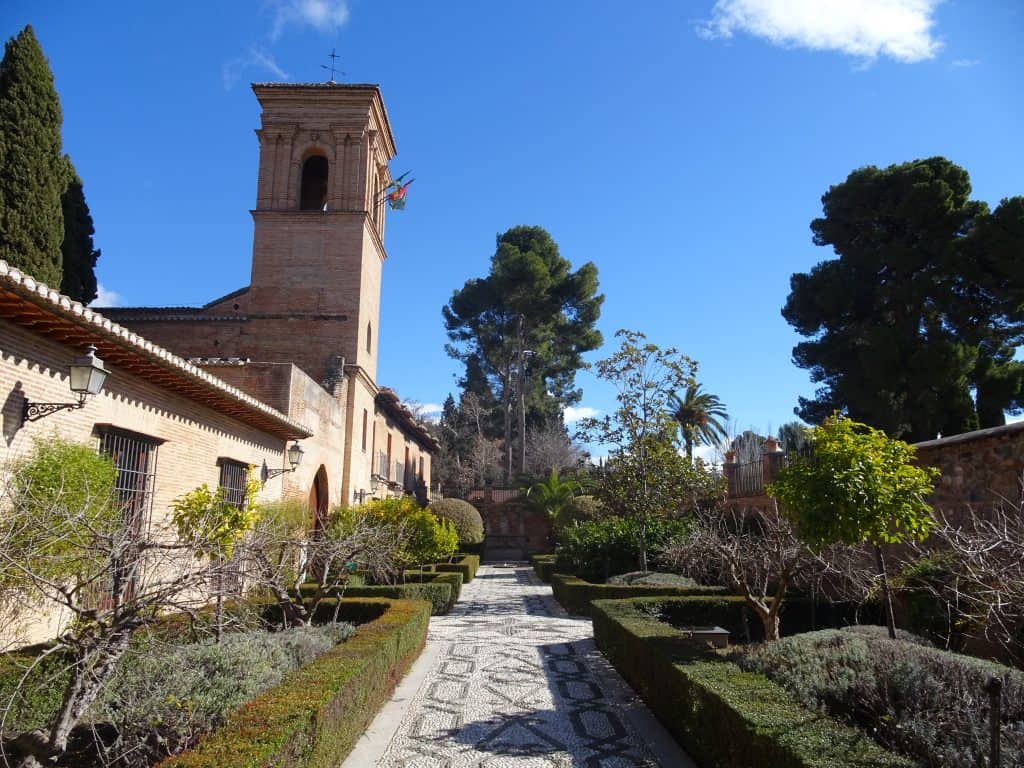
x,y
543,566
575,594
466,564
723,717
441,590
318,712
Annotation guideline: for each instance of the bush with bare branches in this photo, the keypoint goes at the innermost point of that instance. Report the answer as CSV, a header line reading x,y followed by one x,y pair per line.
x,y
981,589
71,546
756,552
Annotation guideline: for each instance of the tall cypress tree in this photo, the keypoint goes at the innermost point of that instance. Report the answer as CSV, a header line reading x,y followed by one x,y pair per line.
x,y
79,255
33,173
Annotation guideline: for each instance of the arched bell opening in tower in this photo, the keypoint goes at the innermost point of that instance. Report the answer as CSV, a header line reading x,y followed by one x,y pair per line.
x,y
313,193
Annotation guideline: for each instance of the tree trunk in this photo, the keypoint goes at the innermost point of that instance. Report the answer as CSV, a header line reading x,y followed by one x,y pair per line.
x,y
643,546
521,396
85,684
769,617
506,402
890,617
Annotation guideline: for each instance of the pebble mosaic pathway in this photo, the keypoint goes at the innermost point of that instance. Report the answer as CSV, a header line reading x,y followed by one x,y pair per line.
x,y
517,683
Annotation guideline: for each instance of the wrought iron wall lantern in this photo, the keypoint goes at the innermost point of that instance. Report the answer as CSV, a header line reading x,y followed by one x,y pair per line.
x,y
86,377
294,458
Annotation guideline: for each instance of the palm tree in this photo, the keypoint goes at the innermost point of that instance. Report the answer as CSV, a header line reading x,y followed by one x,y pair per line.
x,y
554,494
701,417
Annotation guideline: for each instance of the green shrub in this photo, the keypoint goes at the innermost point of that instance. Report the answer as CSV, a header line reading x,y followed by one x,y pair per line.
x,y
580,509
731,612
543,566
467,565
920,700
31,703
61,496
426,538
464,516
161,698
441,590
652,579
930,588
722,715
318,712
575,595
598,549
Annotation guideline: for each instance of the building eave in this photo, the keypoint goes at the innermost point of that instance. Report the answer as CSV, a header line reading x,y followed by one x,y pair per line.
x,y
32,305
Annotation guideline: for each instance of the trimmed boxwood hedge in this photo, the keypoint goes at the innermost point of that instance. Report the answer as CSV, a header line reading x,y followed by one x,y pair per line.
x,y
441,590
575,594
465,564
543,566
723,717
314,717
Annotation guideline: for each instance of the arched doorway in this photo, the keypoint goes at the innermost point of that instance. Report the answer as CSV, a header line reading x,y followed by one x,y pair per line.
x,y
319,500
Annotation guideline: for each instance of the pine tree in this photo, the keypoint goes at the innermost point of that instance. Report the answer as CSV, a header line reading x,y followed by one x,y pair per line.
x,y
78,254
33,173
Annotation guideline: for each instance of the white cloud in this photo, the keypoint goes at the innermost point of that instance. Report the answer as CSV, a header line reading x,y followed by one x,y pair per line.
x,y
572,414
426,411
966,63
867,29
254,58
323,15
106,297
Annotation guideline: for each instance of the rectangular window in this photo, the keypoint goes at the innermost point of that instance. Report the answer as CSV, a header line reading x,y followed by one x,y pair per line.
x,y
388,473
134,456
365,417
233,477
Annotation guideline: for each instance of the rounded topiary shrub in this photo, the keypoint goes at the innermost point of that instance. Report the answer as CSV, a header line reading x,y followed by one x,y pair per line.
x,y
579,510
468,523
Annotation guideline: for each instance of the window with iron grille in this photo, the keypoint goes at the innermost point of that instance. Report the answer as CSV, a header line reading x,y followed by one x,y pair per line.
x,y
134,457
233,477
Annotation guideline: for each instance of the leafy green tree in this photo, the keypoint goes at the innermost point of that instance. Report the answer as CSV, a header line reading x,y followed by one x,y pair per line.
x,y
702,417
522,330
856,486
78,254
33,173
645,477
921,306
554,494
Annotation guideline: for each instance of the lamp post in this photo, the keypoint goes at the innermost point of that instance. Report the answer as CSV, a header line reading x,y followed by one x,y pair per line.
x,y
86,377
295,453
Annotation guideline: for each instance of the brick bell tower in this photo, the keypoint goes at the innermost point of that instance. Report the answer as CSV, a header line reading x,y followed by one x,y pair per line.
x,y
318,244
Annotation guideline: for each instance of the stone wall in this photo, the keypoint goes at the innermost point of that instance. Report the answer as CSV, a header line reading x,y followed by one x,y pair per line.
x,y
513,529
978,468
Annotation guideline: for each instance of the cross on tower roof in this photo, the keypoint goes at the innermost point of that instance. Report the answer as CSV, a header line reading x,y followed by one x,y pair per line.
x,y
333,56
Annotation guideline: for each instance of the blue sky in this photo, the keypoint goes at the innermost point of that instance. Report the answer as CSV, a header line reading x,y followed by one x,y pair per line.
x,y
683,147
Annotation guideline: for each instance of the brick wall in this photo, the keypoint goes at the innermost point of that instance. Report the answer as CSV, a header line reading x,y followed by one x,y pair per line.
x,y
194,436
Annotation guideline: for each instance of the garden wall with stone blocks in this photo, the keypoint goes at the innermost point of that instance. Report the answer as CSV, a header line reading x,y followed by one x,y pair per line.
x,y
978,468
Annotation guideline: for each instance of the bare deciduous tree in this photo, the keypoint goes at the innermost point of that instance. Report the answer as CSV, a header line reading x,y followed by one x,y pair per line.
x,y
95,561
982,584
753,551
285,551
